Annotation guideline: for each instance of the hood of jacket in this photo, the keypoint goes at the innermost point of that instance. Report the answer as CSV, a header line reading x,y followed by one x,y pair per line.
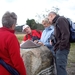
x,y
55,19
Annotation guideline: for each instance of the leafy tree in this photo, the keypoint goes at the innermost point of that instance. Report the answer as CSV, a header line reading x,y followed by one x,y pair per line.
x,y
55,9
42,15
40,26
34,25
45,13
31,23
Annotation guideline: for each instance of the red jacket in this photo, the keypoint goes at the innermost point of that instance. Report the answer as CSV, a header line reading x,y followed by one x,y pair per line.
x,y
10,52
36,35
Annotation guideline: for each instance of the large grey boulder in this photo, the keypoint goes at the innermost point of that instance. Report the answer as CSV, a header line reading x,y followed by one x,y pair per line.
x,y
37,60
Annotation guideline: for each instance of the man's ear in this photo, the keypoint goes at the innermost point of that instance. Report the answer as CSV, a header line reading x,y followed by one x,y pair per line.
x,y
13,27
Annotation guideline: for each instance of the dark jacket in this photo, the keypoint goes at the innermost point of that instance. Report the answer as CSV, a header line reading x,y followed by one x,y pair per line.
x,y
62,33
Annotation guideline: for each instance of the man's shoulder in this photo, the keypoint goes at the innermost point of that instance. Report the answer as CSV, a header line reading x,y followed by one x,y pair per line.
x,y
61,18
34,30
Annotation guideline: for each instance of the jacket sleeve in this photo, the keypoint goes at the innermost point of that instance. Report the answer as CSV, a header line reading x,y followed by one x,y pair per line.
x,y
38,33
14,53
47,43
64,30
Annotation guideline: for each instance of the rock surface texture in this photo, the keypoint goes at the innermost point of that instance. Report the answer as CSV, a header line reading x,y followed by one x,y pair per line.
x,y
37,60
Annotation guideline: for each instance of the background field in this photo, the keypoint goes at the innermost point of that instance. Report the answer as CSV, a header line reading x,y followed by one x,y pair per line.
x,y
71,57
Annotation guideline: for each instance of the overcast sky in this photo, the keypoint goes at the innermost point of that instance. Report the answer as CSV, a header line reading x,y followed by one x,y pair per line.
x,y
29,8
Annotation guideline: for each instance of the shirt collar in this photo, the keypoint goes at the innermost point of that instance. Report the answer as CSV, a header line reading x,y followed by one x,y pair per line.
x,y
55,19
4,29
49,27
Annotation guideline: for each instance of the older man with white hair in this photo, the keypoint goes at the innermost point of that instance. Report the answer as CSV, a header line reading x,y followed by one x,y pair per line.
x,y
11,62
62,46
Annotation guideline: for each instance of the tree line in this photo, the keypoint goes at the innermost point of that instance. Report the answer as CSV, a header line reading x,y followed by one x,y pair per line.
x,y
32,23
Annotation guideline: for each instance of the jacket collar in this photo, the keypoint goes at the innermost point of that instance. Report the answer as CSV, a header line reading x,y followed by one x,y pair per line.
x,y
49,28
7,29
55,19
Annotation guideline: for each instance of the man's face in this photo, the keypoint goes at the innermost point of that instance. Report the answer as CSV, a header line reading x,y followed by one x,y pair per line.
x,y
13,27
28,30
50,17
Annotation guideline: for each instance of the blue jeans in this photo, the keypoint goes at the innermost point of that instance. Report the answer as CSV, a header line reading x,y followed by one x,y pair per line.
x,y
61,61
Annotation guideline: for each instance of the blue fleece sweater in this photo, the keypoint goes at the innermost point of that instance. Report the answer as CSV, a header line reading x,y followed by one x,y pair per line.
x,y
45,37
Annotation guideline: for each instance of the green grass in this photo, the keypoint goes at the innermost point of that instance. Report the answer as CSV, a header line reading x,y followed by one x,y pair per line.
x,y
20,37
71,60
72,53
71,56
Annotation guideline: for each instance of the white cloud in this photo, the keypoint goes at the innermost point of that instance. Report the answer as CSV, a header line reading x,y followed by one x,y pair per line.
x,y
67,8
28,8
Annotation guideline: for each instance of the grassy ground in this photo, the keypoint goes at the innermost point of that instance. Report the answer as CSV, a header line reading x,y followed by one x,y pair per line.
x,y
20,37
71,60
71,57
